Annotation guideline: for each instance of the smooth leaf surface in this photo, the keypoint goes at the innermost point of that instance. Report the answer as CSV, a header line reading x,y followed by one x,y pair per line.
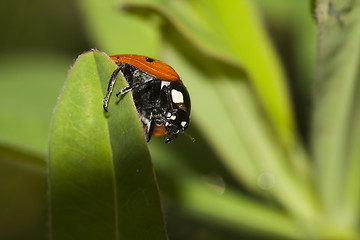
x,y
292,29
207,194
351,195
29,93
337,75
102,184
23,189
115,32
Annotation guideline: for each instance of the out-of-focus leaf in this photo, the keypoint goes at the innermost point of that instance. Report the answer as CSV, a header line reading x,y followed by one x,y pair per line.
x,y
23,192
58,27
352,177
29,86
352,169
102,184
292,29
209,198
231,31
337,75
116,32
225,110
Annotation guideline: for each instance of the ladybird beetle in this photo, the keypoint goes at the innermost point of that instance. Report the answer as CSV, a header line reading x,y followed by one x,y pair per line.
x,y
161,99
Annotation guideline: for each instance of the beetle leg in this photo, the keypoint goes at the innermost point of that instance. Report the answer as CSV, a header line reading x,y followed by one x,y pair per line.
x,y
110,87
149,130
128,89
124,90
169,139
131,87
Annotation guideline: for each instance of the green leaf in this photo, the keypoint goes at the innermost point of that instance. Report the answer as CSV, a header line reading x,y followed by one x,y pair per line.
x,y
23,192
352,168
116,32
206,193
226,209
337,78
102,184
351,196
29,94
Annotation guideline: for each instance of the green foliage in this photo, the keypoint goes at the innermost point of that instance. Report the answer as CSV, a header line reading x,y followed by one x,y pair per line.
x,y
100,174
28,92
336,117
275,114
23,202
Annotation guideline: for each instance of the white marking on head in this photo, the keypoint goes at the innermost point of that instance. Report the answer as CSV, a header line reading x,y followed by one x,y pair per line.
x,y
164,83
177,96
183,124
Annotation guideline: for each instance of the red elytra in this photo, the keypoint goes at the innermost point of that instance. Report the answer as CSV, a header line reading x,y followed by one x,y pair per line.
x,y
149,65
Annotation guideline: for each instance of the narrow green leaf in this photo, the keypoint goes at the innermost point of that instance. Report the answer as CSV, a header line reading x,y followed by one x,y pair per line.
x,y
102,184
234,211
116,32
23,189
352,177
206,195
337,75
29,93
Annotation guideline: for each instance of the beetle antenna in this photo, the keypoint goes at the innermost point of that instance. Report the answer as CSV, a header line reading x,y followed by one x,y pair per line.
x,y
191,137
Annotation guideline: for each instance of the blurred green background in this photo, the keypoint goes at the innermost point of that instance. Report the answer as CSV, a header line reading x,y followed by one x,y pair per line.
x,y
249,67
